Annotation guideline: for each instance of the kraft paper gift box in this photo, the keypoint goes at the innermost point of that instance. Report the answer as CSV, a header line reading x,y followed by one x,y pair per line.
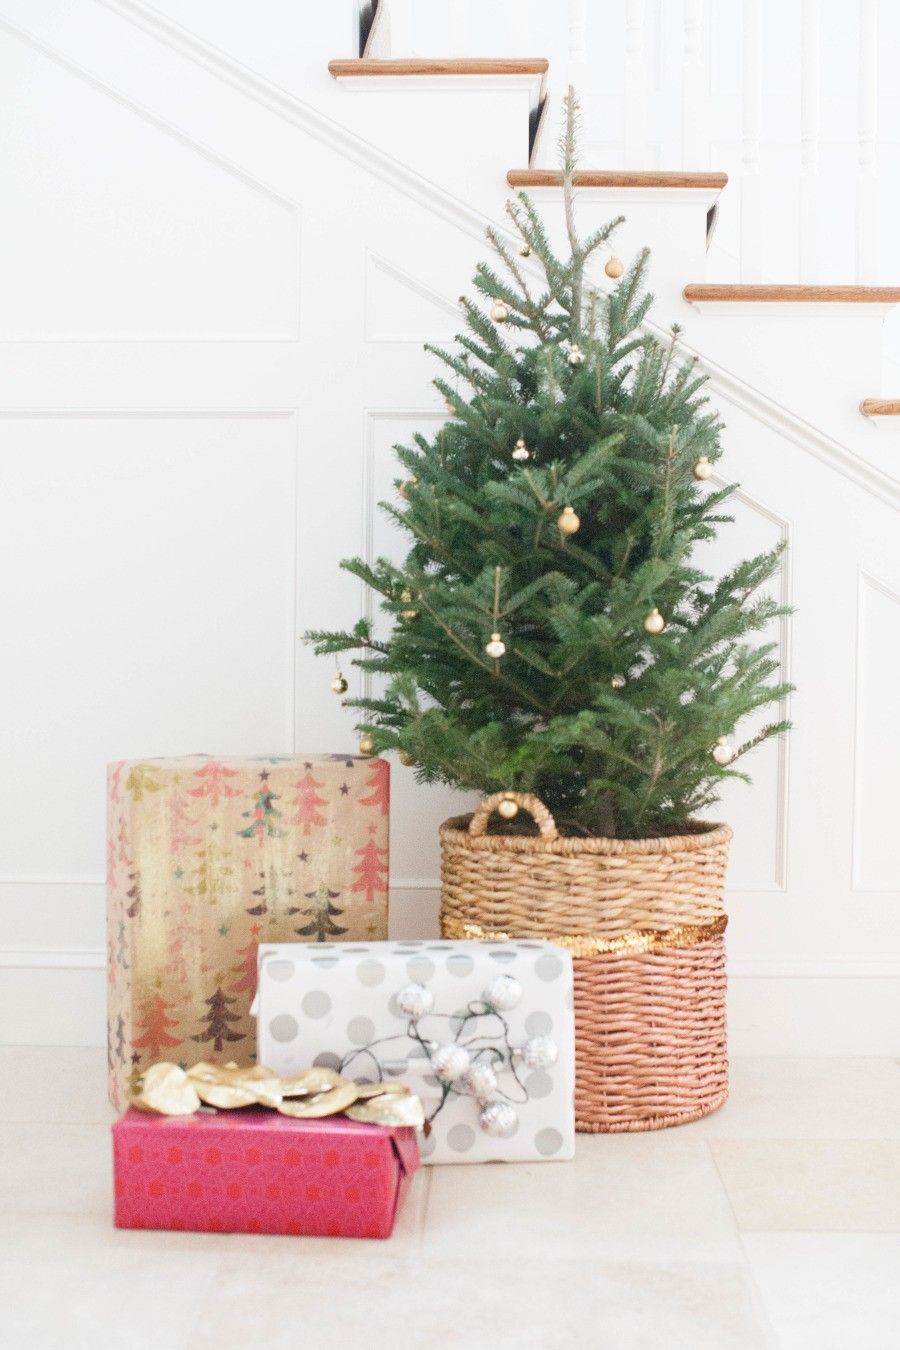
x,y
483,1032
253,1171
206,858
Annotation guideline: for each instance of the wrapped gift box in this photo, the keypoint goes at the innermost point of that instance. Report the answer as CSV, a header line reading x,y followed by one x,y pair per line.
x,y
254,1171
482,1031
206,858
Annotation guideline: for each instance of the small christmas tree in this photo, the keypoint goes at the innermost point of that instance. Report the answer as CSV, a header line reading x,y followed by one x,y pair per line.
x,y
217,1019
322,914
154,1024
307,802
371,869
246,968
553,631
262,817
380,782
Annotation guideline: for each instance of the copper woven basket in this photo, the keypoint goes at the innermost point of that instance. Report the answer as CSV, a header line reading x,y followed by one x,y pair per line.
x,y
644,920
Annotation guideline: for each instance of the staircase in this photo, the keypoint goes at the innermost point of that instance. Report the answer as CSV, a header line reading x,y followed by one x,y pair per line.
x,y
224,261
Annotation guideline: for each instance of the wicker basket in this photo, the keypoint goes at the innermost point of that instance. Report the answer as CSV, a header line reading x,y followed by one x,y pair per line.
x,y
644,920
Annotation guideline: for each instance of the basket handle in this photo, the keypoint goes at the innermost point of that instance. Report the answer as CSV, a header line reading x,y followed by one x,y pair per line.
x,y
526,801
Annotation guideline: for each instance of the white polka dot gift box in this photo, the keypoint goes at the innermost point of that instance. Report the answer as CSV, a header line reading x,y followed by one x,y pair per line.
x,y
482,1031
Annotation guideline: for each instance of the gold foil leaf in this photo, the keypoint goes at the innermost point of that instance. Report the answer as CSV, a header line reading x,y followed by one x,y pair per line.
x,y
311,1081
391,1108
167,1090
328,1103
230,1087
364,1090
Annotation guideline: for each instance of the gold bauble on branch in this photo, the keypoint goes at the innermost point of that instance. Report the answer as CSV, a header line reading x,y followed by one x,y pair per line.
x,y
568,522
403,489
508,808
496,647
703,469
339,684
618,682
614,267
521,451
654,622
406,758
366,744
722,752
575,355
406,599
525,249
450,408
499,312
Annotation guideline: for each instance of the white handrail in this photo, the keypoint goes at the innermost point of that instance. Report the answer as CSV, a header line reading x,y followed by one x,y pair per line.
x,y
751,124
810,197
694,131
867,144
635,86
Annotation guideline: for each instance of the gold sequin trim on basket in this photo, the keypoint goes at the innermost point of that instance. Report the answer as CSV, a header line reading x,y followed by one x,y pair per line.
x,y
638,940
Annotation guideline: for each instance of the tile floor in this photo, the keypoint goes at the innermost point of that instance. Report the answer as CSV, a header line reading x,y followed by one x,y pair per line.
x,y
773,1224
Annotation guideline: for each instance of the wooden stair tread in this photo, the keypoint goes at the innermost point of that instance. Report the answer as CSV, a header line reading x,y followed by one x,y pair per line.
x,y
841,295
616,178
880,407
416,66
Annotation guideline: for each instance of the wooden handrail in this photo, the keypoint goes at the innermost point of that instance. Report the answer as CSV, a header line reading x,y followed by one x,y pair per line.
x,y
415,66
880,407
616,178
841,295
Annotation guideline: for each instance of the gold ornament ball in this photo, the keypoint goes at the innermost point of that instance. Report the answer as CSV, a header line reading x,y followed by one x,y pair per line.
x,y
576,355
521,452
703,469
404,487
614,268
339,684
450,408
618,682
366,745
508,809
499,312
568,522
496,647
406,758
722,752
654,622
525,249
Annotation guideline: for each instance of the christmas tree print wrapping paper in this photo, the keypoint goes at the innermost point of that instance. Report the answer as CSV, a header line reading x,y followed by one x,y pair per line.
x,y
206,859
405,1011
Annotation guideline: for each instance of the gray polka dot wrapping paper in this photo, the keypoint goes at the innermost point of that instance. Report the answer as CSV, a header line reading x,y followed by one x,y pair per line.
x,y
483,1032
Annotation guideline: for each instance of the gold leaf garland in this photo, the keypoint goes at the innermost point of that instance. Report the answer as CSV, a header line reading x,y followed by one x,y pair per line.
x,y
169,1090
632,943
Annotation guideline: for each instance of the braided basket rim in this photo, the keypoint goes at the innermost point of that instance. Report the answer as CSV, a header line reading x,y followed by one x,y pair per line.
x,y
698,835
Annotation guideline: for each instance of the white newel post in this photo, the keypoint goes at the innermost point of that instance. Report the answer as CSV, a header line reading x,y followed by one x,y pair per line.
x,y
578,45
867,152
635,87
751,187
694,137
810,196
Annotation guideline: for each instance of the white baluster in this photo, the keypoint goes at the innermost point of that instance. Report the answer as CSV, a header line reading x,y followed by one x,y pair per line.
x,y
751,186
810,196
867,132
694,139
635,86
578,44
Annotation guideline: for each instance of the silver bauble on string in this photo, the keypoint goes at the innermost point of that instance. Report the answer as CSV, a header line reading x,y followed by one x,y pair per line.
x,y
539,1053
499,1119
480,1080
503,993
415,1001
449,1063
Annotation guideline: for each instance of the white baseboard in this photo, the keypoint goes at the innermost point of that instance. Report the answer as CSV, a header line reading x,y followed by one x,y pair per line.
x,y
57,997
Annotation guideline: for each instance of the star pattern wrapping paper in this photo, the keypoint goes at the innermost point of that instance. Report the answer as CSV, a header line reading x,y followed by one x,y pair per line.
x,y
207,858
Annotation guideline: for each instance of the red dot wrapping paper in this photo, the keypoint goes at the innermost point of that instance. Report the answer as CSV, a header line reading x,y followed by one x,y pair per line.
x,y
206,859
254,1171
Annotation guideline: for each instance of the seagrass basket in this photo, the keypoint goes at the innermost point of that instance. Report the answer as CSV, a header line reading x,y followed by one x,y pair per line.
x,y
644,920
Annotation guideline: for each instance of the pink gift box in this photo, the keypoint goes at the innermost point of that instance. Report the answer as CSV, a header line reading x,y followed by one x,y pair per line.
x,y
254,1171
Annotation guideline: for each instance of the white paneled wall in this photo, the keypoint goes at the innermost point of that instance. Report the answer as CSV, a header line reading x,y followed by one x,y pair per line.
x,y
215,299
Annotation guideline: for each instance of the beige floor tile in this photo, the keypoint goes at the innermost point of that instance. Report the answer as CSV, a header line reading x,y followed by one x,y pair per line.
x,y
117,1302
479,1305
779,1185
793,1098
63,1169
45,1083
828,1291
652,1197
